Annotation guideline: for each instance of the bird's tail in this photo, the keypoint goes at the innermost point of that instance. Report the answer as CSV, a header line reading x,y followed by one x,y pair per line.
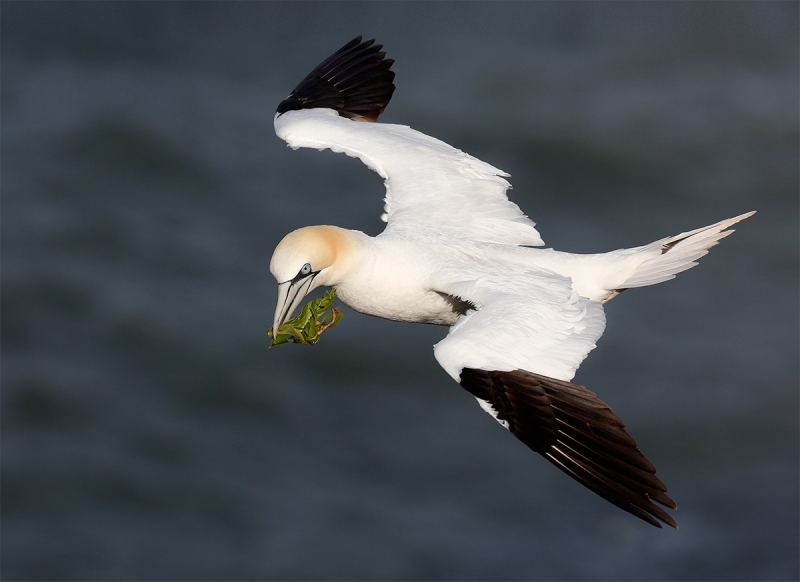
x,y
671,255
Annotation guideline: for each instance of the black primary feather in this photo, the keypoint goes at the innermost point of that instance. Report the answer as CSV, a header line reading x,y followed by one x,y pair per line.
x,y
356,81
577,432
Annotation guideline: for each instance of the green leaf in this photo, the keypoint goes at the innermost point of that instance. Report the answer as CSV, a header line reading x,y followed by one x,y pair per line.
x,y
316,317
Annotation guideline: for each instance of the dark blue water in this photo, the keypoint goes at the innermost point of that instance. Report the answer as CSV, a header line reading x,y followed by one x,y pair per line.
x,y
147,433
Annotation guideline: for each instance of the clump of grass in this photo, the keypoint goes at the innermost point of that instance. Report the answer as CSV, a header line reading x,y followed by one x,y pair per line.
x,y
316,317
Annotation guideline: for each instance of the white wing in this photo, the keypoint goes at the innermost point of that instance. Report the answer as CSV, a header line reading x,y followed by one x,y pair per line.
x,y
516,355
533,322
429,184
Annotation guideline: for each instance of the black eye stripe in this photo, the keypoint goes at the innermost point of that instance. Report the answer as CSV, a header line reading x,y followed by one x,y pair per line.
x,y
301,275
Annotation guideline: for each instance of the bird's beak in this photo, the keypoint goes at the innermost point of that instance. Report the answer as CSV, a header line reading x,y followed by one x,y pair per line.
x,y
290,295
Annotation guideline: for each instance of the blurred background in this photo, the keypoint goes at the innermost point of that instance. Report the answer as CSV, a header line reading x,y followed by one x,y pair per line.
x,y
148,433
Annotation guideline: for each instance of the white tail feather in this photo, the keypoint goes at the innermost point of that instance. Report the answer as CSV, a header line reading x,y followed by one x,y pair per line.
x,y
670,256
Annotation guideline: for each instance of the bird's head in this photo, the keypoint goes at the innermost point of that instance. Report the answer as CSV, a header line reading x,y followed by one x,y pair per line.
x,y
304,260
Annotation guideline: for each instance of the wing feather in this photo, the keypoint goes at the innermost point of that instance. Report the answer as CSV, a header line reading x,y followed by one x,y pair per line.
x,y
429,184
578,433
532,321
355,81
516,354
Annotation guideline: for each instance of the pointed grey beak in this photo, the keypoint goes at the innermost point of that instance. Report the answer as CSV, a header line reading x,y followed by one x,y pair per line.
x,y
290,295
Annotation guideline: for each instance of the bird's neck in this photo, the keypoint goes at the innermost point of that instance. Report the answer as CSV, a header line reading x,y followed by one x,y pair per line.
x,y
352,250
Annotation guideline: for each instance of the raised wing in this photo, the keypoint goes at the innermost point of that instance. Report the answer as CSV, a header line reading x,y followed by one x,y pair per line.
x,y
516,354
429,184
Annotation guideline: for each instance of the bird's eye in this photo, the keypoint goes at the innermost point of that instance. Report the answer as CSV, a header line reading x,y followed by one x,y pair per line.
x,y
306,269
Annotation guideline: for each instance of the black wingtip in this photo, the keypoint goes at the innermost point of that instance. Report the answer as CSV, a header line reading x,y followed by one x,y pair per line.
x,y
577,432
356,81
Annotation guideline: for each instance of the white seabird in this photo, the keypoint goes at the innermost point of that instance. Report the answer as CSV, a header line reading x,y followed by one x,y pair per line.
x,y
457,252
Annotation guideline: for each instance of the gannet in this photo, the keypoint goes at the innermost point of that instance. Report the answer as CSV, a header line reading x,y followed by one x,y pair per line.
x,y
457,252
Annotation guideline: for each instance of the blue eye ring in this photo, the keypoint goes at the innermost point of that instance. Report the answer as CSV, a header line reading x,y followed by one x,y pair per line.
x,y
305,270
